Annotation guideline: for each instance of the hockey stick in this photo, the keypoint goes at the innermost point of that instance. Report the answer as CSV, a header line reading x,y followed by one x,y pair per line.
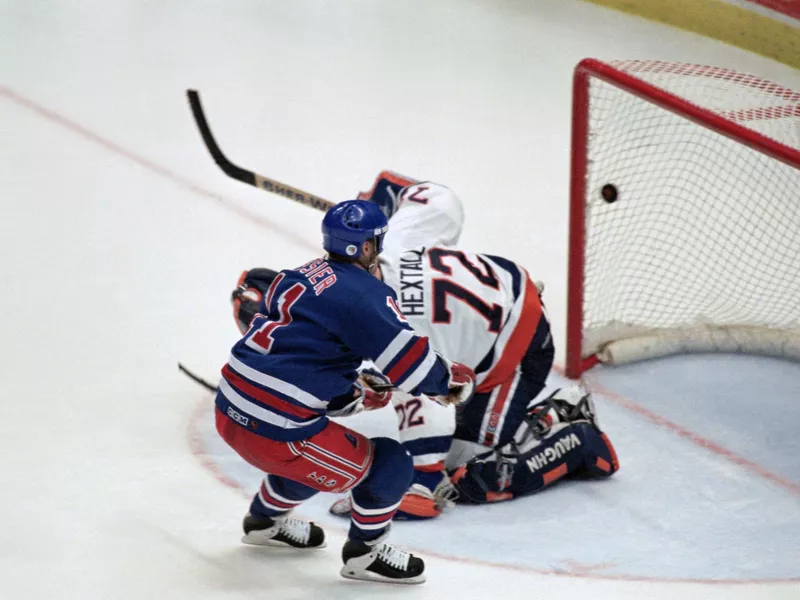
x,y
196,379
243,175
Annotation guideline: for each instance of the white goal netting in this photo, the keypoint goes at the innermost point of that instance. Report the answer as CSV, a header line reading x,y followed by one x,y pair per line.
x,y
700,250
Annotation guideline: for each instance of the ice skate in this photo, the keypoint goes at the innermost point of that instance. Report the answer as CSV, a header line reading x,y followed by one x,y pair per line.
x,y
282,532
378,561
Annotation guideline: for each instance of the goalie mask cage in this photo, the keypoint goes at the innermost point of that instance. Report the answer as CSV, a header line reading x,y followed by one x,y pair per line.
x,y
684,214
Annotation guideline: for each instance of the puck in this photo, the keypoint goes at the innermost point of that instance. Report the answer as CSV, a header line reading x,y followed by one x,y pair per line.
x,y
609,192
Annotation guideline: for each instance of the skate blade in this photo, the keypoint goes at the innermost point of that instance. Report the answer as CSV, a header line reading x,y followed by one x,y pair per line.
x,y
252,540
350,573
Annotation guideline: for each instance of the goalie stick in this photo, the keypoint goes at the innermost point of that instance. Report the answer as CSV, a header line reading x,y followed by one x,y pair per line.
x,y
243,175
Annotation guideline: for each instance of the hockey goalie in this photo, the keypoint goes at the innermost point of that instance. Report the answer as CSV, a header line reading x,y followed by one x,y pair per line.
x,y
511,438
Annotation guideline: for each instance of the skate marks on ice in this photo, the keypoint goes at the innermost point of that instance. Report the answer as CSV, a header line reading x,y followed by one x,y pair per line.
x,y
153,167
676,511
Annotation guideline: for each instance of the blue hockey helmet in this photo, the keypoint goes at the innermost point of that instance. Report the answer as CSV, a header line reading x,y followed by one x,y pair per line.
x,y
349,224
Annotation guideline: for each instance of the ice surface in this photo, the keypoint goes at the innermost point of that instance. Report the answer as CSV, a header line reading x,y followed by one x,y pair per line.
x,y
121,239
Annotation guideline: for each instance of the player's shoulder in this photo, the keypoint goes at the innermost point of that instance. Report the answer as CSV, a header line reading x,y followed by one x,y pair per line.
x,y
427,189
362,286
504,263
338,282
433,195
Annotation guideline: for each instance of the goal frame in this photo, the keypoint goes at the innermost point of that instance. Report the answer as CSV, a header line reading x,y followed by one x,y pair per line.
x,y
592,68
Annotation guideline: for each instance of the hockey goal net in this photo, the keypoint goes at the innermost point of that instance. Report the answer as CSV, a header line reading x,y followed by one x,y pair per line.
x,y
685,213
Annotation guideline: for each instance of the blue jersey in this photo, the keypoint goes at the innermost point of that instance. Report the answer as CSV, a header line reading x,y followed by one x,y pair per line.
x,y
320,322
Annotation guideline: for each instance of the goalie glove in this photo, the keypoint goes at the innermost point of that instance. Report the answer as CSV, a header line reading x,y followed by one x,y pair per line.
x,y
248,297
364,398
386,191
461,385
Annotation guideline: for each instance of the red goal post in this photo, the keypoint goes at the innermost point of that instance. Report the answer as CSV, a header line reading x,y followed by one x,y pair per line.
x,y
684,213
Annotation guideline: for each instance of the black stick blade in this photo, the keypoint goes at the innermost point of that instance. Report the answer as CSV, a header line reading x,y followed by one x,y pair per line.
x,y
230,169
249,177
196,379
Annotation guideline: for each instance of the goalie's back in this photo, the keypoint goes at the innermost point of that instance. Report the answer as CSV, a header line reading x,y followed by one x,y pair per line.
x,y
478,309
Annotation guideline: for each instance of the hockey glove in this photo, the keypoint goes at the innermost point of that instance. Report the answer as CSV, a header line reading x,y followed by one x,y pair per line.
x,y
461,384
375,379
248,297
364,398
371,398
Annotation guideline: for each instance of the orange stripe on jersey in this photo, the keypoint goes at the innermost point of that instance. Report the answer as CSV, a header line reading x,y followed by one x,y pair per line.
x,y
519,340
494,426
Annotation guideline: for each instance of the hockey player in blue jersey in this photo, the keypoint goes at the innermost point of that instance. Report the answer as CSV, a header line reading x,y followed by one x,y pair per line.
x,y
297,364
513,438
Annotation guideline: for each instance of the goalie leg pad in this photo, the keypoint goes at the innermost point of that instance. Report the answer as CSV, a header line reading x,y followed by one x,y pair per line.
x,y
599,456
430,493
577,448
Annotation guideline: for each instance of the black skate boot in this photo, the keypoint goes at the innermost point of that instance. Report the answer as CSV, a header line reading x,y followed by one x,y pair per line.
x,y
378,561
284,532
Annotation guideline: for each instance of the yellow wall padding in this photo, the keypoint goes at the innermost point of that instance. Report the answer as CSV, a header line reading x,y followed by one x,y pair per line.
x,y
721,21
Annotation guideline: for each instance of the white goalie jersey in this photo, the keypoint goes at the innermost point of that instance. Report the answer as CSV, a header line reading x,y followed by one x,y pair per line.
x,y
474,308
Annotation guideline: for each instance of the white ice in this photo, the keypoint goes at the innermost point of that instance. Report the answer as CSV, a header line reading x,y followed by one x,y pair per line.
x,y
121,240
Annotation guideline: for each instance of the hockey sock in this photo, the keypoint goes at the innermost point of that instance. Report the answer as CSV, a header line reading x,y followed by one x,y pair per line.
x,y
377,497
278,495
